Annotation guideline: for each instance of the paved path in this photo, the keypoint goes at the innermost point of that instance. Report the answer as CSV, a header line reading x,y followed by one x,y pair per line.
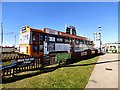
x,y
105,75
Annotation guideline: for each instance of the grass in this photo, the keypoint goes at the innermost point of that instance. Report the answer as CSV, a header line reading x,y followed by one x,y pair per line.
x,y
61,57
72,76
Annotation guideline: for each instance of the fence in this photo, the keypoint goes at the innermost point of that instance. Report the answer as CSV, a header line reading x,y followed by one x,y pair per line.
x,y
20,64
14,65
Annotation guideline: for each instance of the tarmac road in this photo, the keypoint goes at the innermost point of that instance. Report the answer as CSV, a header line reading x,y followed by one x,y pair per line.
x,y
105,73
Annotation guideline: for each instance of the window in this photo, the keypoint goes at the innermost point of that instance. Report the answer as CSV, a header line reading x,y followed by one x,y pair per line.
x,y
60,39
66,40
87,42
52,39
81,42
77,41
34,38
46,38
90,42
114,47
41,37
73,40
76,47
70,40
49,38
41,47
35,48
23,29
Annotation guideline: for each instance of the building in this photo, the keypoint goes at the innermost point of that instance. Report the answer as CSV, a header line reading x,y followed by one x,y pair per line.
x,y
112,47
7,49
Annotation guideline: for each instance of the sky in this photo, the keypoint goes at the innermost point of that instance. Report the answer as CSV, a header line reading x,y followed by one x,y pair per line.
x,y
85,16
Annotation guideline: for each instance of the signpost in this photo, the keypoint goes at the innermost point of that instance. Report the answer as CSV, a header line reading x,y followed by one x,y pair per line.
x,y
97,39
100,38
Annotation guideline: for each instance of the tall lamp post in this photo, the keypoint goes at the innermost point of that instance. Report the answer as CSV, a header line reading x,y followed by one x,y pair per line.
x,y
1,37
100,38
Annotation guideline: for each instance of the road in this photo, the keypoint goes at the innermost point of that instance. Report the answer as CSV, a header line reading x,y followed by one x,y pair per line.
x,y
105,73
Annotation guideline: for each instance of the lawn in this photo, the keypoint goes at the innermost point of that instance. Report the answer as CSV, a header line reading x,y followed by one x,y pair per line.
x,y
71,76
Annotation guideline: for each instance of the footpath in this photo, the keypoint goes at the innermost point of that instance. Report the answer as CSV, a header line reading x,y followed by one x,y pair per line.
x,y
105,73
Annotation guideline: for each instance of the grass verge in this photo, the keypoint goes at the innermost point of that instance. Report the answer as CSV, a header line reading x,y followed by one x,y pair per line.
x,y
71,76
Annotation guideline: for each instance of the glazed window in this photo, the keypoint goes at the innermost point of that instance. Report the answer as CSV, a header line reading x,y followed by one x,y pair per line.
x,y
41,38
81,42
35,48
46,38
49,38
73,40
114,47
87,42
66,40
41,47
34,38
77,41
60,39
70,40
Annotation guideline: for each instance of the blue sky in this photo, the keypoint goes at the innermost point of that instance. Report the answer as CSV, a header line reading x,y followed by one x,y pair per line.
x,y
85,16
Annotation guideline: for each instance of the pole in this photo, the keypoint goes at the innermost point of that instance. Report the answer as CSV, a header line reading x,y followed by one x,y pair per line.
x,y
94,35
65,26
15,41
2,36
100,38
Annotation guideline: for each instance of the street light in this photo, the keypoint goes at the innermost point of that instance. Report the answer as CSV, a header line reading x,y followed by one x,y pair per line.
x,y
1,37
3,34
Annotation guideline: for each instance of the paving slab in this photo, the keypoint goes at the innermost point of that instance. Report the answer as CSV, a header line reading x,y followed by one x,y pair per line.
x,y
105,73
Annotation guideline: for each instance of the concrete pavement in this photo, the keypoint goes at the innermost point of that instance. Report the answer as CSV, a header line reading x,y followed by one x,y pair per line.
x,y
105,74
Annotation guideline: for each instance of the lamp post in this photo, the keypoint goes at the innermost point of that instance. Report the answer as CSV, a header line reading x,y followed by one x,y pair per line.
x,y
1,37
100,38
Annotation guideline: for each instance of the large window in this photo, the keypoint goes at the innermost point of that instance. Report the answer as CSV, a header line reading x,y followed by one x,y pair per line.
x,y
73,40
50,38
59,39
41,37
66,40
46,38
34,37
81,41
77,41
70,40
41,47
84,42
87,42
35,48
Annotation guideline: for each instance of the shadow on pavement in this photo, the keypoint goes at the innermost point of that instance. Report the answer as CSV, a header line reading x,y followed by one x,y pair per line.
x,y
93,63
